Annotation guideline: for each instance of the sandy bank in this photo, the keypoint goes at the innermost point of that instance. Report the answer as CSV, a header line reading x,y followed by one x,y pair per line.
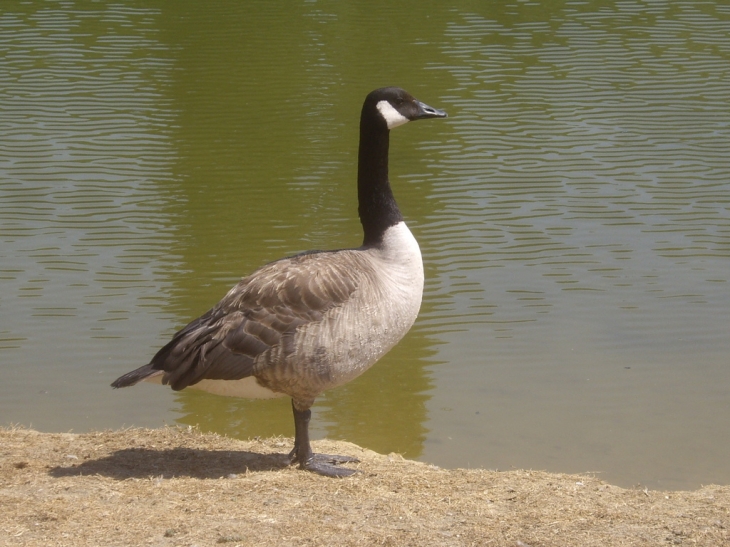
x,y
181,487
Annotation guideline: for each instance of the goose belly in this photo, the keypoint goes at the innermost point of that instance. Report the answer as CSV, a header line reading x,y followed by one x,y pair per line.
x,y
247,388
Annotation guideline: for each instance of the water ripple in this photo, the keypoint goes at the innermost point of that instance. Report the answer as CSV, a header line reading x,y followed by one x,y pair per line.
x,y
83,151
584,154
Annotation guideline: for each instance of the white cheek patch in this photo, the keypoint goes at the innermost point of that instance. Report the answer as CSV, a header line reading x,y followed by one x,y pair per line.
x,y
391,116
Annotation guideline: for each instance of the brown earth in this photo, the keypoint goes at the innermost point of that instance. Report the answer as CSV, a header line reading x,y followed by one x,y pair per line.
x,y
174,486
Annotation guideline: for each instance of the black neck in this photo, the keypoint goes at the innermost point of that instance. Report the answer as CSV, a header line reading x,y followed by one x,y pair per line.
x,y
377,207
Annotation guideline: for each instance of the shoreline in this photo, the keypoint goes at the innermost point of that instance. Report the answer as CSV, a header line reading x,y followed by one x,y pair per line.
x,y
178,486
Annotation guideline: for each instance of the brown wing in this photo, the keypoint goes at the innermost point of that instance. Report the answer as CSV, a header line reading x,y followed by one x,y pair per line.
x,y
262,311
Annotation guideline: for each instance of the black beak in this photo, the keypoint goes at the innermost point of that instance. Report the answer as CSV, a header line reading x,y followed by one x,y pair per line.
x,y
425,111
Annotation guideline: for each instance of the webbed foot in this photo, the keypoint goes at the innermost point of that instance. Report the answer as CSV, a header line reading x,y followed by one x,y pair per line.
x,y
325,464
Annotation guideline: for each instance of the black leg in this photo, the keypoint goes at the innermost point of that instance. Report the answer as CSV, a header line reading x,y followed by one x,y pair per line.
x,y
322,464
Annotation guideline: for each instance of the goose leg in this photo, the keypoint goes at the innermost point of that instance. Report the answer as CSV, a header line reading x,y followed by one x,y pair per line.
x,y
322,464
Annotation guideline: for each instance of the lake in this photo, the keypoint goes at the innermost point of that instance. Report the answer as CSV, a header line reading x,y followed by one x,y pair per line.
x,y
573,213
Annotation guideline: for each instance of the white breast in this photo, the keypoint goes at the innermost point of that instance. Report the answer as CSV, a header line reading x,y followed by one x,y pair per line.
x,y
400,272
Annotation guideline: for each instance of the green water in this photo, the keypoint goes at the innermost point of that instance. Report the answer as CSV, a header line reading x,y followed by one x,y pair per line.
x,y
573,213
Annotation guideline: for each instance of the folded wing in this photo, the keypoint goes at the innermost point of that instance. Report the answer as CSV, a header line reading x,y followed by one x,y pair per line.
x,y
261,313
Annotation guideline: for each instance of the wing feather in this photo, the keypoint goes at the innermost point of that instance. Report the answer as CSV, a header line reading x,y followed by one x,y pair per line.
x,y
263,311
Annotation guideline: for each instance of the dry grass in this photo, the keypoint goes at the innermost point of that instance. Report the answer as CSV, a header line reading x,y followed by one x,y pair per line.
x,y
181,487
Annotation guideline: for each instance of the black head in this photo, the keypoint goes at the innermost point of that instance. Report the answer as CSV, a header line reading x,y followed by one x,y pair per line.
x,y
395,106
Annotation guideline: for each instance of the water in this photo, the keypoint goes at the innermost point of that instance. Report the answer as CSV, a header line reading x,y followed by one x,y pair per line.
x,y
573,213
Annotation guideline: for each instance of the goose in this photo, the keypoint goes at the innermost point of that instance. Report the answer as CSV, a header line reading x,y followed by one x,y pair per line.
x,y
316,320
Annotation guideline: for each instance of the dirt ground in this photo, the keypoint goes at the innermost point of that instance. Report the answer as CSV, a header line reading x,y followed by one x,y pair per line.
x,y
178,486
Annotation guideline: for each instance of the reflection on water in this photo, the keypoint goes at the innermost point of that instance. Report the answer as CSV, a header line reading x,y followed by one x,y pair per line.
x,y
573,213
589,162
83,153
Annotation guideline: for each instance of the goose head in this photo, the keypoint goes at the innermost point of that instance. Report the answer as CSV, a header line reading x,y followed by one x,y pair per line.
x,y
395,106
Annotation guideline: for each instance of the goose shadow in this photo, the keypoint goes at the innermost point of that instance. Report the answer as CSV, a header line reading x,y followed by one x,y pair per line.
x,y
175,462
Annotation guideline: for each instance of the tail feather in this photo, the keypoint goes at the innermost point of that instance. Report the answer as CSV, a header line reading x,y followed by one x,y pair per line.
x,y
136,376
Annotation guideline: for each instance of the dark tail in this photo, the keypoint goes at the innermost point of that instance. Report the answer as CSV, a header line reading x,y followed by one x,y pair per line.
x,y
135,376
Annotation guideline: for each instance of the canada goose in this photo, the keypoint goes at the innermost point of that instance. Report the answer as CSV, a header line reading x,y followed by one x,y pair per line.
x,y
316,320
